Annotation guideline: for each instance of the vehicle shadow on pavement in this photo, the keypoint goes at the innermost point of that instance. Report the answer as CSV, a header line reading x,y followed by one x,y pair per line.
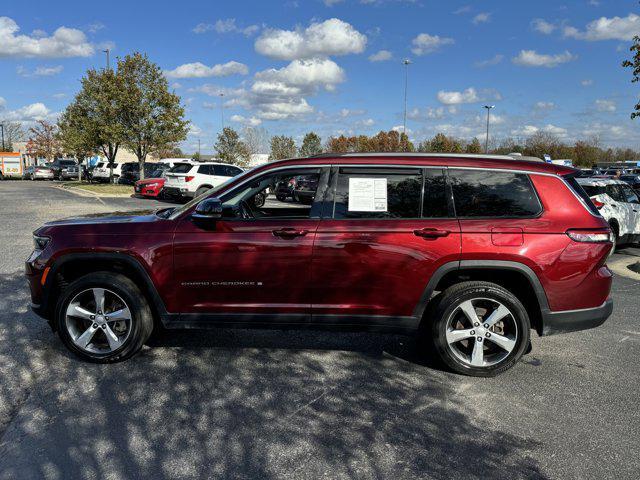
x,y
239,404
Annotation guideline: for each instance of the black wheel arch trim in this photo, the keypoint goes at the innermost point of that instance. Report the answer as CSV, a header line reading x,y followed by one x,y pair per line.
x,y
46,306
480,264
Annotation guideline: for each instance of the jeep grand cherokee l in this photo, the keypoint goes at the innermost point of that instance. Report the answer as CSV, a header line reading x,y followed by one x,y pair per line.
x,y
472,252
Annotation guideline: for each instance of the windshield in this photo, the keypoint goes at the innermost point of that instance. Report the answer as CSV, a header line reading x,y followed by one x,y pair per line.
x,y
183,208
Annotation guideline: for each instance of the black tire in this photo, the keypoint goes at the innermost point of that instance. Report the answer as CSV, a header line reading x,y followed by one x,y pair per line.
x,y
141,316
447,303
281,198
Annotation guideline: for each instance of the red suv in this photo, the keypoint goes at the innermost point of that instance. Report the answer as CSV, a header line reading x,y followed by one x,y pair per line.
x,y
471,251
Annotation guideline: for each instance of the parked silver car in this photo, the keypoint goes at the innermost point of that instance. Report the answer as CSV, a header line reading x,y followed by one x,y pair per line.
x,y
38,173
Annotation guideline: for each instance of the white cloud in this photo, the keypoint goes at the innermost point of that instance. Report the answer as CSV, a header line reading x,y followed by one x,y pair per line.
x,y
428,113
194,130
331,3
483,17
586,82
531,58
300,77
381,56
424,43
496,59
470,95
30,113
96,27
225,26
615,28
367,122
39,71
199,70
463,9
400,128
59,95
528,130
3,102
331,37
544,106
605,105
65,42
542,26
250,121
345,112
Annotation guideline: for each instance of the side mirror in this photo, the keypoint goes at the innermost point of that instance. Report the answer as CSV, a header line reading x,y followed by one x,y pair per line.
x,y
209,209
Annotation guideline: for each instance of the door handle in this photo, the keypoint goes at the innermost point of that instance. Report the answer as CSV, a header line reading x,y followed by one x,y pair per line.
x,y
289,233
431,233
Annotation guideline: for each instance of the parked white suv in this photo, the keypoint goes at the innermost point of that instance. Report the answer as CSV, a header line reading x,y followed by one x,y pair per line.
x,y
619,205
101,172
193,179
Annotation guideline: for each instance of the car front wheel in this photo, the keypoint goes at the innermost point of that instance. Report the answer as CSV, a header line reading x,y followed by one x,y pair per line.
x,y
479,329
103,317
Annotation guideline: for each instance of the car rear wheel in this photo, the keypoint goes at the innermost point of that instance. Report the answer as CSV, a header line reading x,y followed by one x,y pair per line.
x,y
103,317
479,329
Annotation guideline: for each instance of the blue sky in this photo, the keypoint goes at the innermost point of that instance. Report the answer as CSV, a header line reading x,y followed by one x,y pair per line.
x,y
335,66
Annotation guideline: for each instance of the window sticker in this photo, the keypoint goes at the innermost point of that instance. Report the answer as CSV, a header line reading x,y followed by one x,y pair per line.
x,y
368,195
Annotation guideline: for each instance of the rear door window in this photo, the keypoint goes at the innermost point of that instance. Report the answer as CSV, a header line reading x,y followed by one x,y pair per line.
x,y
378,193
486,193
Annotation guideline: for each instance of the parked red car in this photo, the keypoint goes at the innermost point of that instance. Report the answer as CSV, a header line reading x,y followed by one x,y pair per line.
x,y
149,187
472,252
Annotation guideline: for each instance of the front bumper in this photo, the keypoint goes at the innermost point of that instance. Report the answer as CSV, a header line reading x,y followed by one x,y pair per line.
x,y
574,320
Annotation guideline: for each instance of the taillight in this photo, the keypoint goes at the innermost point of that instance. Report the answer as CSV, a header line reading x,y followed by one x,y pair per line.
x,y
188,178
597,204
590,236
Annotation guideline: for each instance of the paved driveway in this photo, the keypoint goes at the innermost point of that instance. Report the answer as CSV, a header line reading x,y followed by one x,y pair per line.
x,y
287,404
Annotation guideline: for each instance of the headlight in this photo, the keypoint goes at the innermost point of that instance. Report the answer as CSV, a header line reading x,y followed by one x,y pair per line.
x,y
39,243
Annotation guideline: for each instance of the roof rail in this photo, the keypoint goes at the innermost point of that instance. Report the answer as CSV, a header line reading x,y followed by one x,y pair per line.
x,y
424,155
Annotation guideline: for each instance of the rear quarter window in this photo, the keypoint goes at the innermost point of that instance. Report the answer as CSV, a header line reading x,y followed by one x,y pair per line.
x,y
482,193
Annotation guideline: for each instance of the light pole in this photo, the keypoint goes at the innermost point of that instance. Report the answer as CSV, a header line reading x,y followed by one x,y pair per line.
x,y
108,63
221,95
486,141
2,128
406,62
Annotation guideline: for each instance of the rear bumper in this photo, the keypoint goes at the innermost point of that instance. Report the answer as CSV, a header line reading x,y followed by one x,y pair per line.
x,y
574,320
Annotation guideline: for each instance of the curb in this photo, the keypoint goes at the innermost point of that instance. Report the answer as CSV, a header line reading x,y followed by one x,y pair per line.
x,y
621,267
86,193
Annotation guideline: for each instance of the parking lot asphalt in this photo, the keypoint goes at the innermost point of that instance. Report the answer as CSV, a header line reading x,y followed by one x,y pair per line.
x,y
289,404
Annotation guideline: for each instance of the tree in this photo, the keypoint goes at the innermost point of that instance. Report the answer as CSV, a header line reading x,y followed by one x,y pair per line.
x,y
256,141
229,147
13,132
43,140
282,147
587,153
196,156
474,146
170,151
153,118
74,140
444,144
634,64
541,143
311,145
94,120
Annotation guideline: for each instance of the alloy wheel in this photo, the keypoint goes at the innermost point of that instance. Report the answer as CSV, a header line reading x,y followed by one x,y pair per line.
x,y
98,321
481,332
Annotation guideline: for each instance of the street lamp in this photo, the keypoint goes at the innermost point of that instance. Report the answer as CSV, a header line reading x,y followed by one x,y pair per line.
x,y
221,95
486,141
406,62
2,128
108,63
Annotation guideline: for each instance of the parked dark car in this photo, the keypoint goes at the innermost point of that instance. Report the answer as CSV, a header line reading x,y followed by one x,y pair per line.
x,y
131,172
64,169
633,180
470,252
